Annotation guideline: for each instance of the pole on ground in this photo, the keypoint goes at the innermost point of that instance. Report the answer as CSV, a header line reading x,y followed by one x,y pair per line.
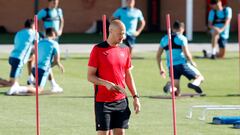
x,y
171,73
104,26
104,20
36,74
239,46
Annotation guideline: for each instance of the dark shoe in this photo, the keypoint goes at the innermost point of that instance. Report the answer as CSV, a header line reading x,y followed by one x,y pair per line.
x,y
213,57
166,88
204,53
195,87
177,93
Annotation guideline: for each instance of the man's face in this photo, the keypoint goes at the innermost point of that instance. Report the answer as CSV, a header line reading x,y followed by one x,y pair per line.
x,y
216,6
118,35
54,3
131,3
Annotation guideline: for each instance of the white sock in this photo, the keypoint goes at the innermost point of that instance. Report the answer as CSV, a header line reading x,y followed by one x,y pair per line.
x,y
31,77
23,89
53,83
196,82
214,51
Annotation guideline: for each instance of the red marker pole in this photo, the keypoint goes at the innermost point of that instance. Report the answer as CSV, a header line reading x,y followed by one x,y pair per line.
x,y
104,20
239,45
36,75
171,73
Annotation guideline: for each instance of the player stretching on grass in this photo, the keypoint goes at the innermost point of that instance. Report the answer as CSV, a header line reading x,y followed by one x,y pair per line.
x,y
23,44
219,19
109,69
48,56
52,17
181,55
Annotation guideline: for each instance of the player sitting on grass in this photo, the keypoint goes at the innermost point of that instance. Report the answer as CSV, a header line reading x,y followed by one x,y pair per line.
x,y
48,56
180,54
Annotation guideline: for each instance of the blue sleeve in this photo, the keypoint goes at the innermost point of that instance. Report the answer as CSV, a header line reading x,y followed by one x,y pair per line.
x,y
117,13
211,16
41,14
60,13
229,12
140,15
164,41
184,41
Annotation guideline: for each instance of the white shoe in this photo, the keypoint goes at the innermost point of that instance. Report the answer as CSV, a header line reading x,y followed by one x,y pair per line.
x,y
57,89
13,90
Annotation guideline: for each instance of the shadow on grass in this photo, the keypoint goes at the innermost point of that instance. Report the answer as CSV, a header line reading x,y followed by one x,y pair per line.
x,y
226,58
73,97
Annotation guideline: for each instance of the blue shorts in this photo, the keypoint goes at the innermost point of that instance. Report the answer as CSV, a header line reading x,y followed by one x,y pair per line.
x,y
16,67
130,41
42,76
187,70
222,42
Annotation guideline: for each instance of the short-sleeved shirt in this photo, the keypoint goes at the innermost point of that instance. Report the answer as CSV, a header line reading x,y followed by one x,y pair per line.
x,y
178,56
111,63
56,14
47,49
23,43
224,14
130,18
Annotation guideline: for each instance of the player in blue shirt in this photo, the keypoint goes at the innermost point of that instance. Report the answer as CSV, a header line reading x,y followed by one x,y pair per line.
x,y
52,17
48,56
23,44
130,16
219,22
181,56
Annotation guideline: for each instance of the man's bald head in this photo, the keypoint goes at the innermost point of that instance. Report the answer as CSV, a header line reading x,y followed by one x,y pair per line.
x,y
117,32
116,24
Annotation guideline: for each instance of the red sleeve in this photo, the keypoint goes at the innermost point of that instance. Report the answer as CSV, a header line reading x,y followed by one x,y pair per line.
x,y
93,60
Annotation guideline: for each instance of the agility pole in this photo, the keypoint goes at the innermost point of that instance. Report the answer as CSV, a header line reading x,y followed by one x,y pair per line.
x,y
239,46
171,73
104,23
36,74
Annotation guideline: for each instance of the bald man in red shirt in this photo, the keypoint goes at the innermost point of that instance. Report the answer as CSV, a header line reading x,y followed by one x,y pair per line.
x,y
109,69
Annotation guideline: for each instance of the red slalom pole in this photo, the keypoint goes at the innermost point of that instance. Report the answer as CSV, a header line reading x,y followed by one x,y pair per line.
x,y
104,20
171,73
239,46
36,75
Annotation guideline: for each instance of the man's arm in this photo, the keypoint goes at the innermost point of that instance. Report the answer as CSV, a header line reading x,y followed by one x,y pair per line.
x,y
159,62
140,28
57,62
61,26
92,77
132,88
188,55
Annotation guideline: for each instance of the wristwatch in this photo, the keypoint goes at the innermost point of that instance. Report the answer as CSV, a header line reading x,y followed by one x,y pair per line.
x,y
136,96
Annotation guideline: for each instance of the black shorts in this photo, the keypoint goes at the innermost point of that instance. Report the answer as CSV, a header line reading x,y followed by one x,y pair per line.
x,y
187,70
222,42
112,115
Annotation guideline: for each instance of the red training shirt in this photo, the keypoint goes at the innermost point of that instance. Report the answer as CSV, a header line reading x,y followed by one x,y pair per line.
x,y
111,63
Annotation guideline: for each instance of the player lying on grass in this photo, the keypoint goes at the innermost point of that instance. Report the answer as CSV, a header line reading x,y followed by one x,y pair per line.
x,y
48,56
181,55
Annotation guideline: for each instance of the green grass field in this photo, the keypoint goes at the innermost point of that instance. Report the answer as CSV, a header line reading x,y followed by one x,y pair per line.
x,y
71,113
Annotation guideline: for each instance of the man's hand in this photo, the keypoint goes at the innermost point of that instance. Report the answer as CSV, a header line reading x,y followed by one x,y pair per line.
x,y
194,64
136,105
136,34
163,73
61,67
